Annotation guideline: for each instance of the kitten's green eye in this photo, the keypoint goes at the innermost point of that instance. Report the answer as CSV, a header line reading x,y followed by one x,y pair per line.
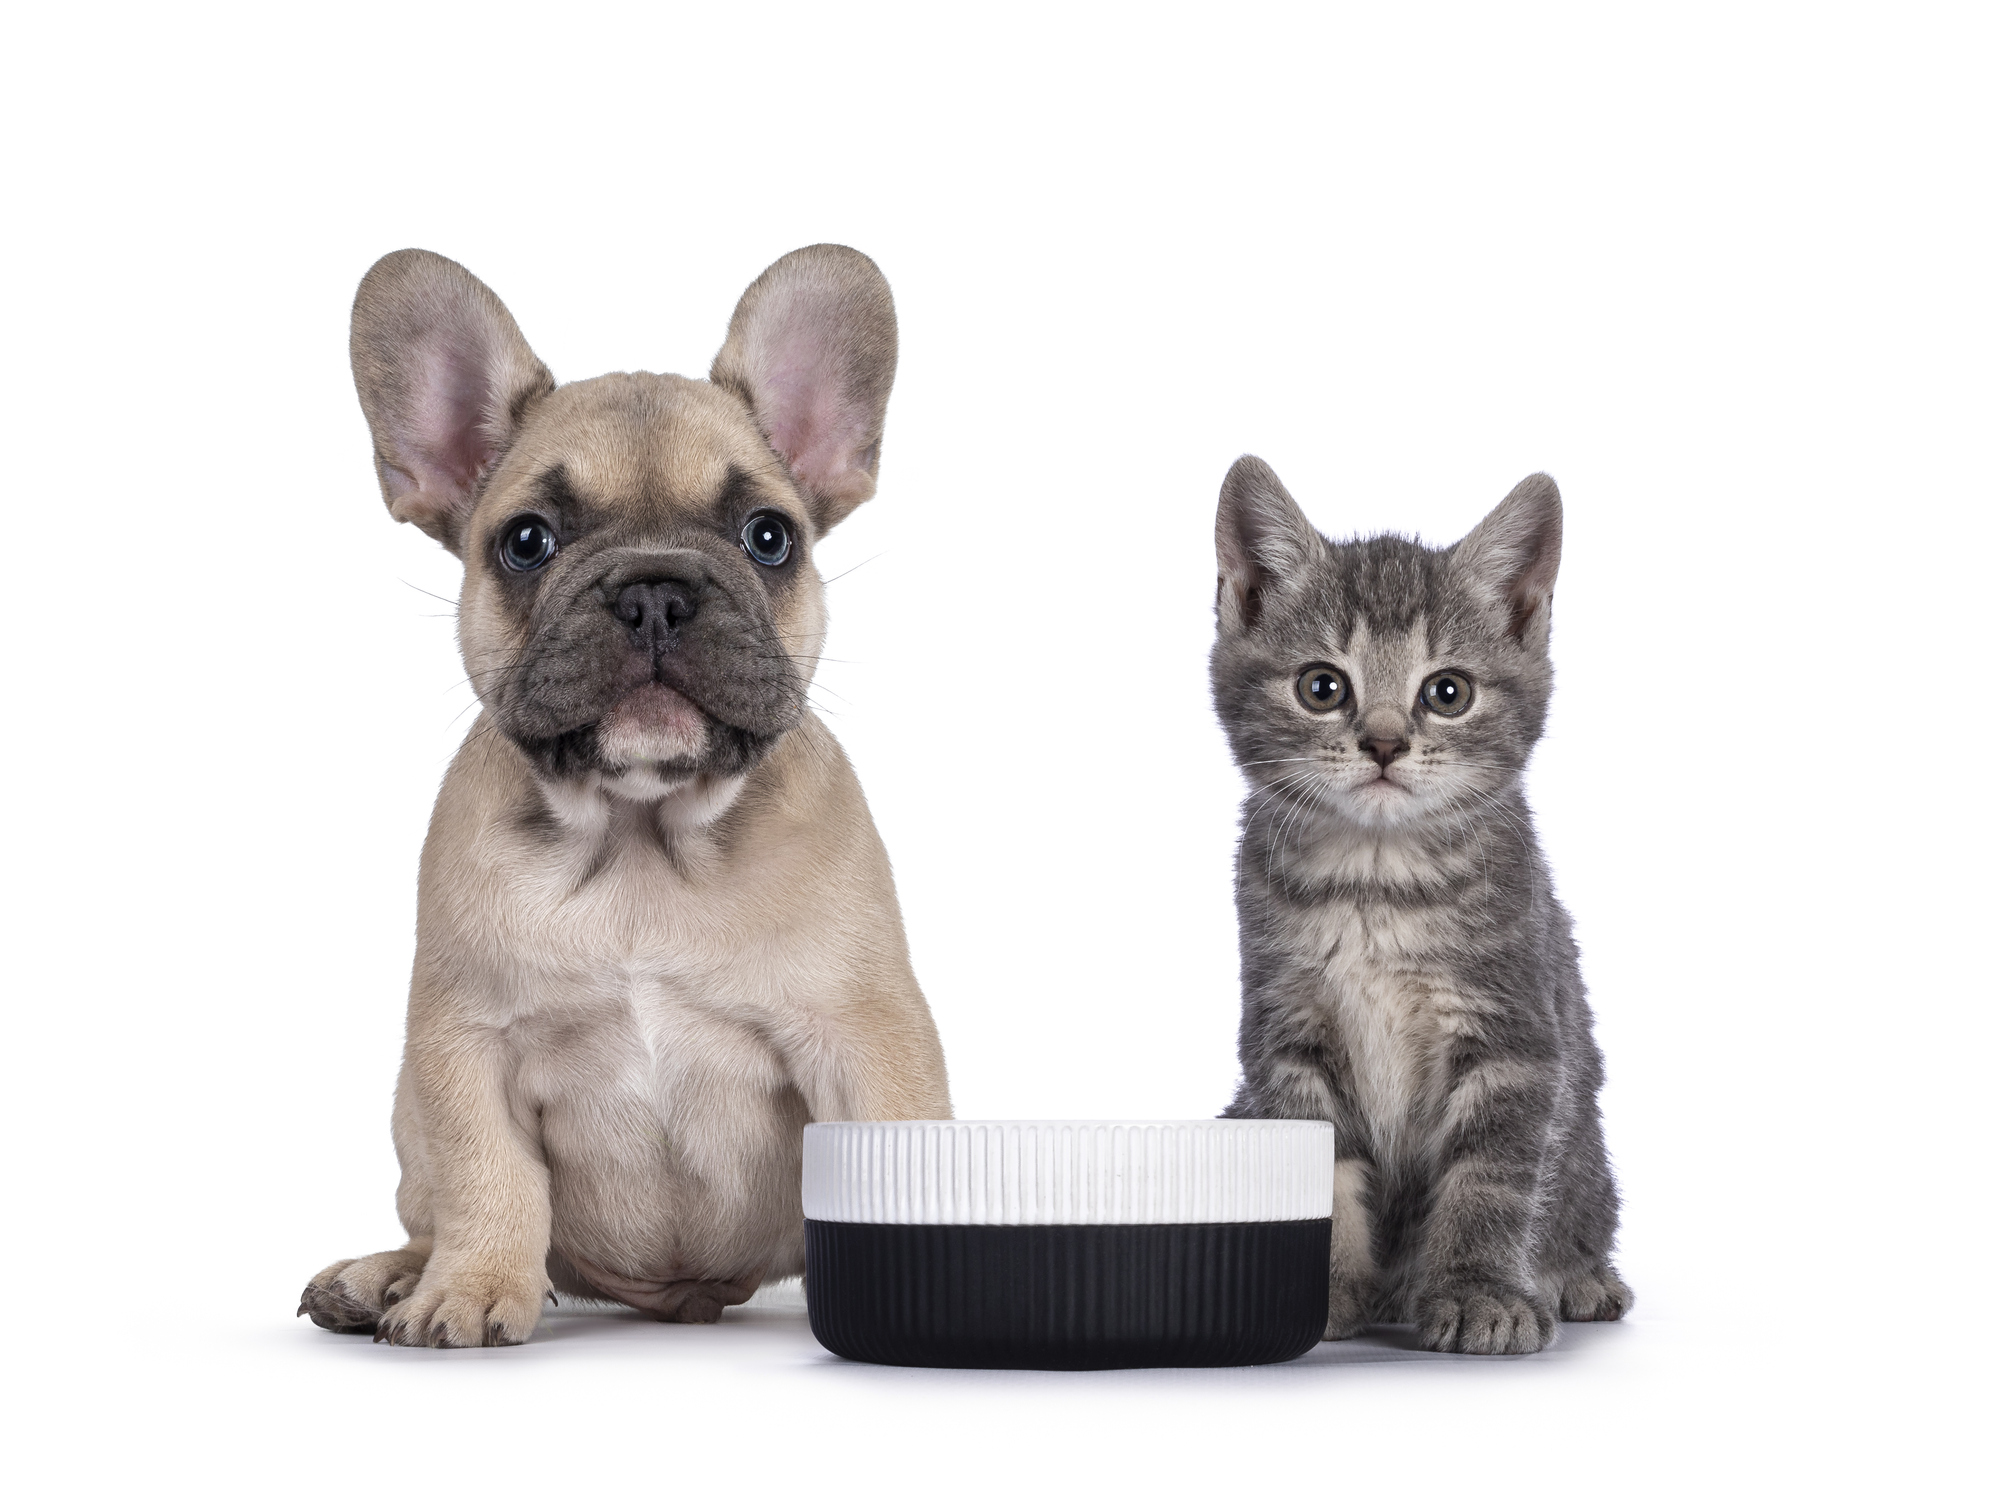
x,y
1322,688
1447,694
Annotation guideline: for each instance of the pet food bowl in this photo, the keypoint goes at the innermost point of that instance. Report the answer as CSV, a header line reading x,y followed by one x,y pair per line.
x,y
1058,1244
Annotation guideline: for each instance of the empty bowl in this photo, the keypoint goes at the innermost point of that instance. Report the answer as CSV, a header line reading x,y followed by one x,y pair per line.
x,y
1068,1244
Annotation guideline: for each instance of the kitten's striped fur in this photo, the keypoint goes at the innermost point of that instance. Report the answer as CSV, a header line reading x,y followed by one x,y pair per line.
x,y
1407,971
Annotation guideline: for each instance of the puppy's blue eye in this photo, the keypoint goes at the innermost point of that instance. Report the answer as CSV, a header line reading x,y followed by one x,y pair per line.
x,y
526,542
767,538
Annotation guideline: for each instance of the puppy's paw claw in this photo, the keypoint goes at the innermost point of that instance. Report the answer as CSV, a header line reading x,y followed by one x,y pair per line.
x,y
466,1308
351,1295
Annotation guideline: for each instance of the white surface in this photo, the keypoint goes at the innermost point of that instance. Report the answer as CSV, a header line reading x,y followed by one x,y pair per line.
x,y
1045,1171
611,1403
1726,271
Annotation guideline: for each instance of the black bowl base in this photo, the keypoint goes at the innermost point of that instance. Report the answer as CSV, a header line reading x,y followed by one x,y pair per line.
x,y
1071,1296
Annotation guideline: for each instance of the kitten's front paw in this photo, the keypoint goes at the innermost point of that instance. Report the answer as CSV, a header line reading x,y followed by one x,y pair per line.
x,y
1483,1319
468,1306
1598,1295
1346,1314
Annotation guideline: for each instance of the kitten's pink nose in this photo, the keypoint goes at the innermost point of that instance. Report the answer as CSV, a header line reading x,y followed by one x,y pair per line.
x,y
1385,750
1384,735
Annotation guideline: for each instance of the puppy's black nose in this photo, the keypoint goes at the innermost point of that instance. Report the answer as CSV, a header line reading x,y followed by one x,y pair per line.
x,y
654,609
1384,751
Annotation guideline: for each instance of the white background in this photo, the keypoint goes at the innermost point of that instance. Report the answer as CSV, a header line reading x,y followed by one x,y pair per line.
x,y
1726,272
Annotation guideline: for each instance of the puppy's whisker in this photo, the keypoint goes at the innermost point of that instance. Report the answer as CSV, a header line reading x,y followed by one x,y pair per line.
x,y
829,582
428,594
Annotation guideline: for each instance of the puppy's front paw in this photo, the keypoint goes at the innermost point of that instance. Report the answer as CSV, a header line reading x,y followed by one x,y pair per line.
x,y
466,1306
351,1295
1483,1319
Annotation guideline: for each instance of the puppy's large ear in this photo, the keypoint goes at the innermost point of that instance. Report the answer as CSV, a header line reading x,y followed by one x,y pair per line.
x,y
1262,542
444,377
811,349
1510,557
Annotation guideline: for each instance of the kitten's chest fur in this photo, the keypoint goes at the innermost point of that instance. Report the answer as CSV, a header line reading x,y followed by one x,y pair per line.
x,y
1387,1009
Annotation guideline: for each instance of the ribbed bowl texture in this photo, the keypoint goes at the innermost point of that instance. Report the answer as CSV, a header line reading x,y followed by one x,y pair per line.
x,y
1069,1171
1068,1244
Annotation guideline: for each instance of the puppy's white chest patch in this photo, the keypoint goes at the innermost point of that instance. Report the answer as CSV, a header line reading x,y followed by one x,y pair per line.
x,y
647,1049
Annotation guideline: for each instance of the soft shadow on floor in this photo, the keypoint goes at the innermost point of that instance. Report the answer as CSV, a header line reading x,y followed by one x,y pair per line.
x,y
1382,1345
771,1329
774,1309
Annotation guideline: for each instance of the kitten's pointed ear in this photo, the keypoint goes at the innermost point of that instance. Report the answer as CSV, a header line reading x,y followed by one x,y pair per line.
x,y
1262,541
444,378
1511,556
811,350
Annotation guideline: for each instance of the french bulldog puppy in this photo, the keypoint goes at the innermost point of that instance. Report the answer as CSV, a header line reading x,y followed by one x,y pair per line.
x,y
656,929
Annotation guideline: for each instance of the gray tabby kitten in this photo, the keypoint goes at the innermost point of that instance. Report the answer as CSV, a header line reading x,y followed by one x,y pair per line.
x,y
1407,972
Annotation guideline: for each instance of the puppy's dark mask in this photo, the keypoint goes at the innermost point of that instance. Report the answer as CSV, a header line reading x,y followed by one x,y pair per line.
x,y
640,600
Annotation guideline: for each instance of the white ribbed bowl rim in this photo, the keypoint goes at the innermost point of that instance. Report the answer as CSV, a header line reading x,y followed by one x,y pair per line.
x,y
1060,1171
